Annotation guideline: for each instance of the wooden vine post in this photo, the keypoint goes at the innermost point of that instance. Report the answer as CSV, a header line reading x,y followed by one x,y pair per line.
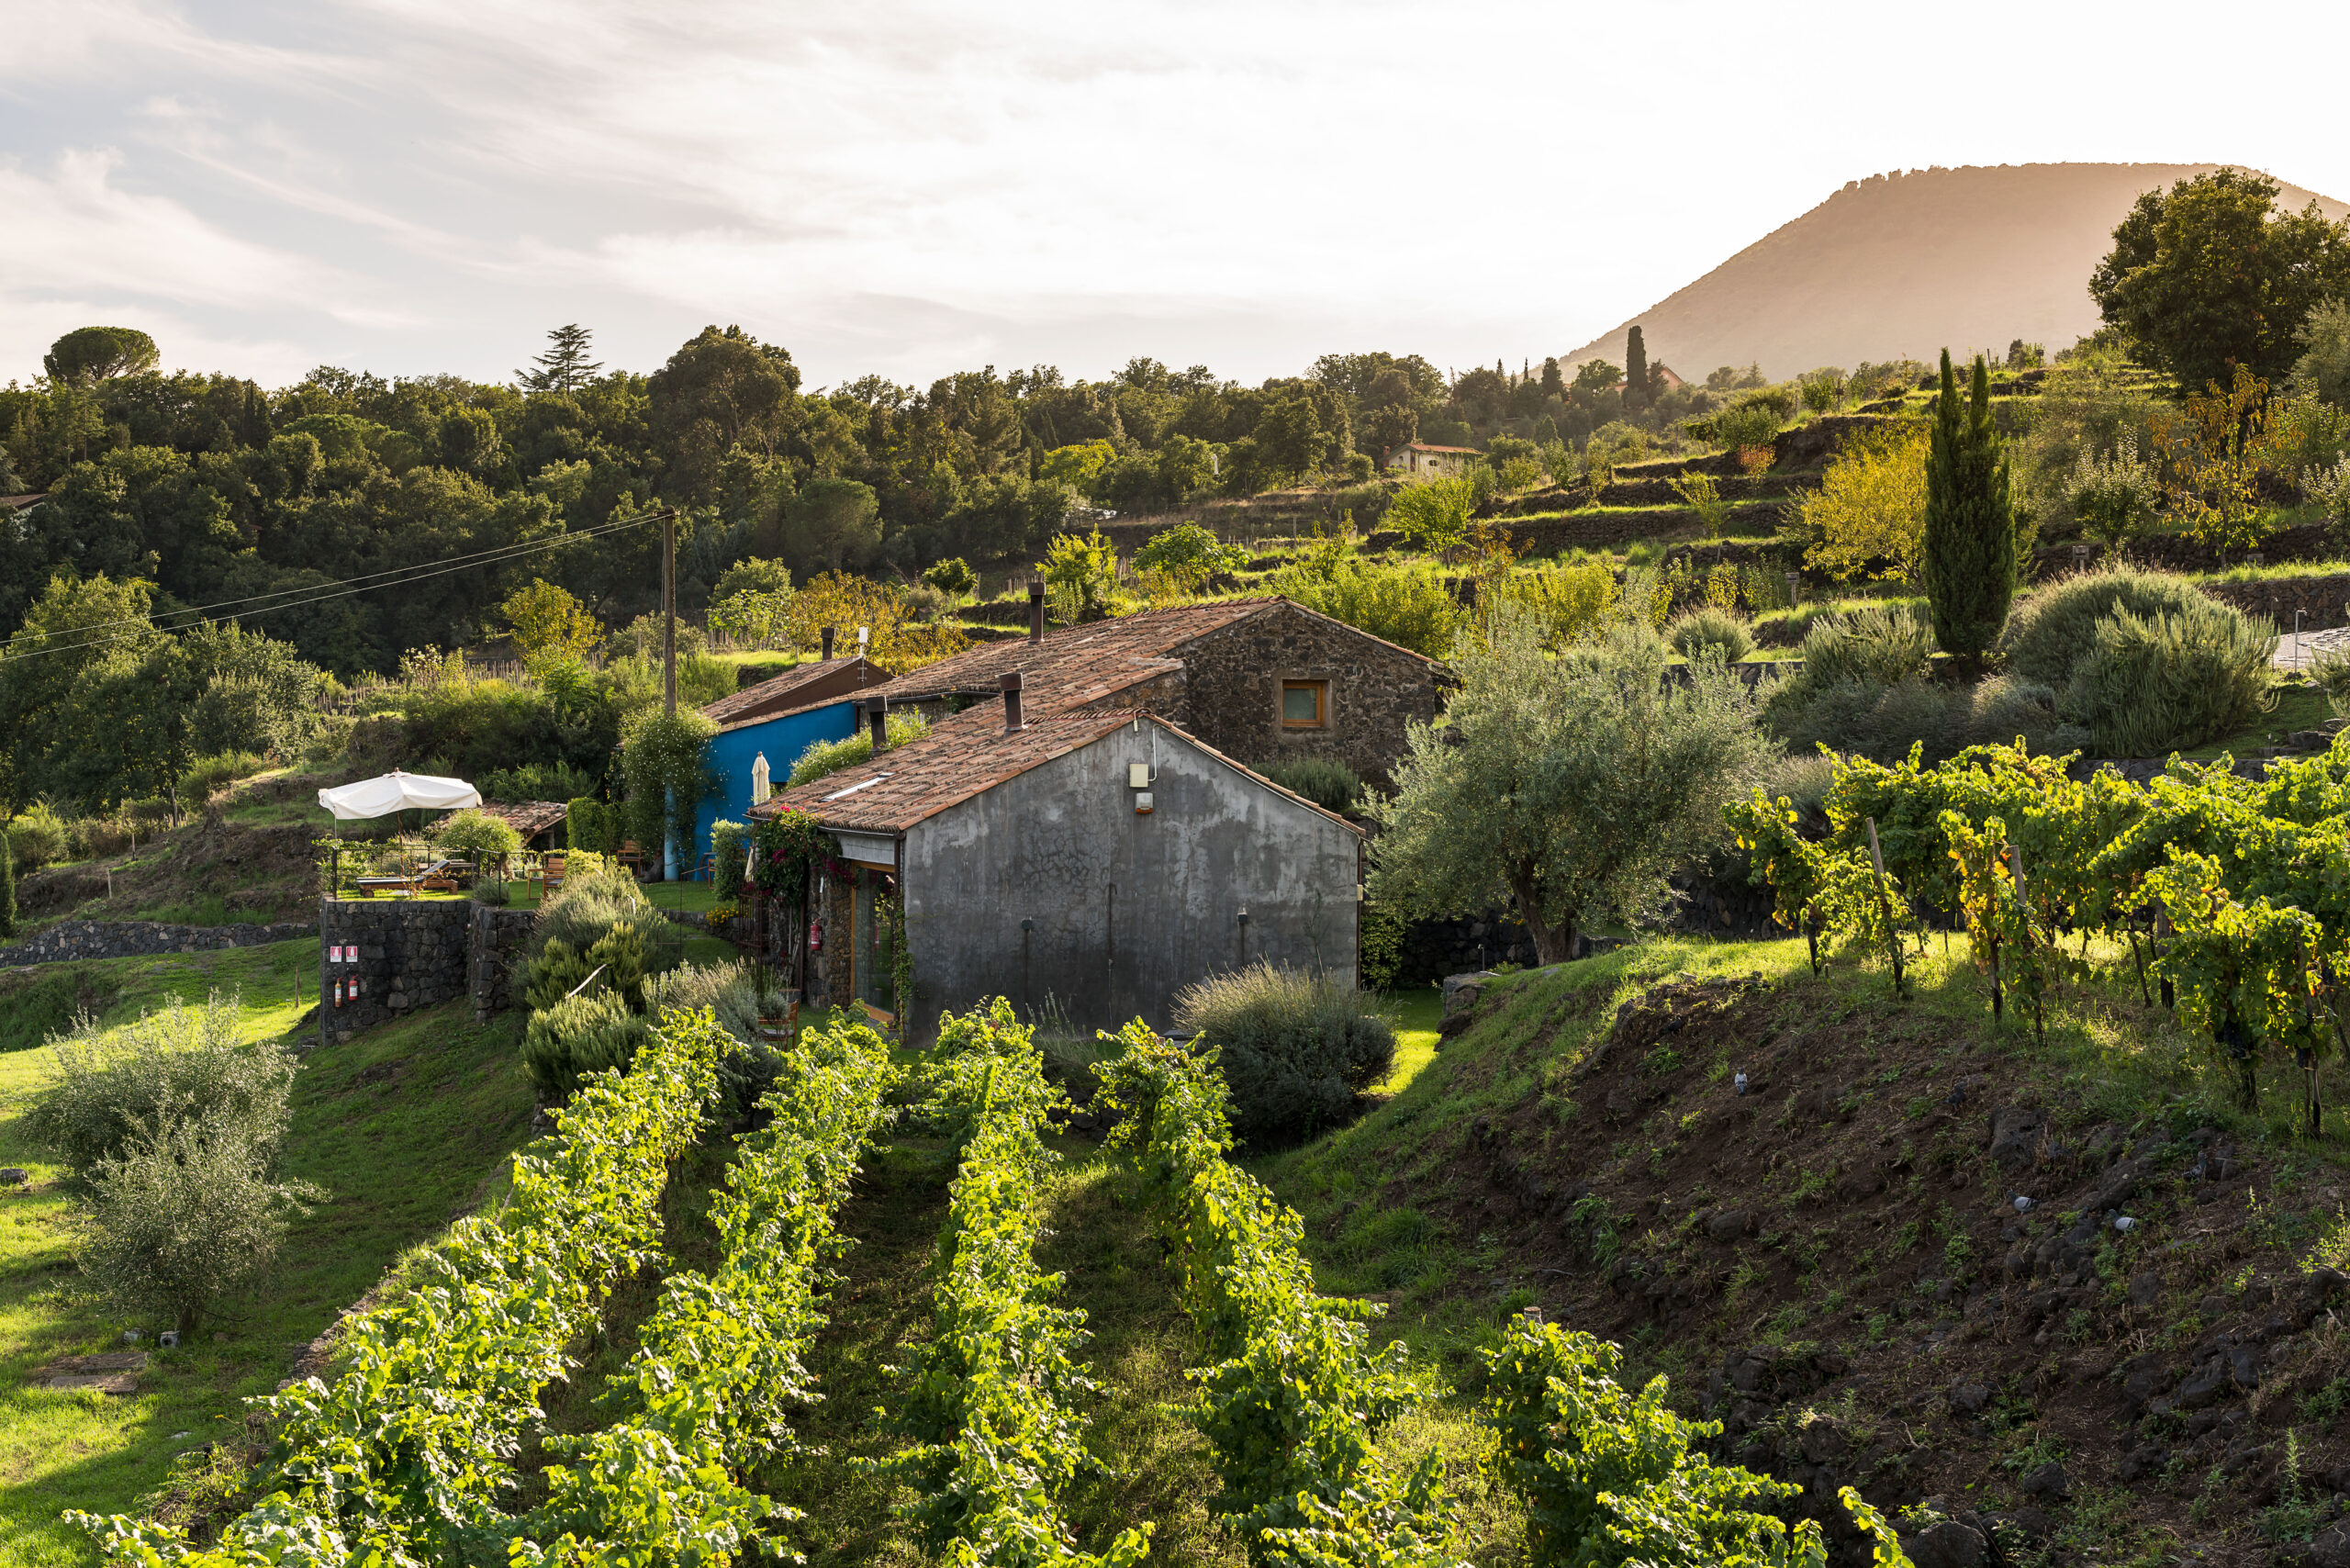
x,y
2306,1052
2023,941
1885,902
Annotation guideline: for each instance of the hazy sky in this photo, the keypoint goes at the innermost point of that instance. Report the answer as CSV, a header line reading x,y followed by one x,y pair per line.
x,y
415,186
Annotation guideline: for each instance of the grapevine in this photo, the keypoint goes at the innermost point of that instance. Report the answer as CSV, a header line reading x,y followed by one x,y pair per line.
x,y
2251,877
988,1400
718,1370
410,1454
1609,1476
1294,1395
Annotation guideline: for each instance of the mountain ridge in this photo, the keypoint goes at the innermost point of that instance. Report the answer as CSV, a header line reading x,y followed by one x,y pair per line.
x,y
1869,274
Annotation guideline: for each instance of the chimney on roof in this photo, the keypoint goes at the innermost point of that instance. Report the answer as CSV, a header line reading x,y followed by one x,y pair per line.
x,y
876,713
1035,612
1012,702
827,635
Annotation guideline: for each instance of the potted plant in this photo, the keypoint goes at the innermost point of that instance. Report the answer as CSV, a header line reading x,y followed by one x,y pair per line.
x,y
778,1009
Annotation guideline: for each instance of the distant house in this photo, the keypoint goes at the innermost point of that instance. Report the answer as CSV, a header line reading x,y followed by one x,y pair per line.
x,y
798,686
1095,861
538,823
1262,680
1421,460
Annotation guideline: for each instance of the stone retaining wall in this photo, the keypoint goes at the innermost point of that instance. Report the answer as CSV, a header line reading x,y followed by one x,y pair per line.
x,y
136,938
491,942
405,954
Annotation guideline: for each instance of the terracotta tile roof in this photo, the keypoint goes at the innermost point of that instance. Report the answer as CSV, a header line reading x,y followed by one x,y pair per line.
x,y
1424,447
1077,665
529,818
773,696
962,756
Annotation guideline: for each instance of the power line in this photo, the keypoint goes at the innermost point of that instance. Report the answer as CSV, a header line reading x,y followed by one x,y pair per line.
x,y
314,593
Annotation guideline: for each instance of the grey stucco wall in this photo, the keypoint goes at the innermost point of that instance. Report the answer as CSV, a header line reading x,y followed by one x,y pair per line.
x,y
1047,846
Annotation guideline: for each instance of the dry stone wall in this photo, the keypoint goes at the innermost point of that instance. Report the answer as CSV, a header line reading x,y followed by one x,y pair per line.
x,y
137,938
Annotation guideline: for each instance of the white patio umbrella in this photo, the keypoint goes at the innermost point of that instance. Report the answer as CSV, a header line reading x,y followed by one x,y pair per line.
x,y
395,791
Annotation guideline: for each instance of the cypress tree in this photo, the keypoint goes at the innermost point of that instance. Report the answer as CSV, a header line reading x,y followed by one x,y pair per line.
x,y
7,886
1636,370
1969,560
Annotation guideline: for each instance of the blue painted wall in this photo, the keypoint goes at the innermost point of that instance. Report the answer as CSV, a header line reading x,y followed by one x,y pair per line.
x,y
782,738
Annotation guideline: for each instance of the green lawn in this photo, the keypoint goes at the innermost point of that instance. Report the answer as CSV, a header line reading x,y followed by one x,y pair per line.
x,y
405,1128
1416,1014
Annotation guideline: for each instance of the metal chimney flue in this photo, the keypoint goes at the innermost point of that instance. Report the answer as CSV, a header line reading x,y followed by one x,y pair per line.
x,y
1035,612
876,713
1012,701
827,635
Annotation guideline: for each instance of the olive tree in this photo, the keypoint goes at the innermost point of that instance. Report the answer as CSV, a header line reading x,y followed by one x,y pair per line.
x,y
1563,787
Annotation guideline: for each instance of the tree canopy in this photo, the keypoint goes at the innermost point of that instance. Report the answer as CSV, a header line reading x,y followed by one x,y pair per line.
x,y
2209,276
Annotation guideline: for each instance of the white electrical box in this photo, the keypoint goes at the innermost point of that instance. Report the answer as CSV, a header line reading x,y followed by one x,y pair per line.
x,y
1137,775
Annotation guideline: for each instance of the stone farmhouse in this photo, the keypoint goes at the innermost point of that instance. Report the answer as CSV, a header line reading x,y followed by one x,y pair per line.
x,y
1084,826
1093,862
1264,680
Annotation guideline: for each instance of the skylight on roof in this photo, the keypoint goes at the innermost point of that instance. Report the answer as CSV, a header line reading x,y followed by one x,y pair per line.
x,y
861,784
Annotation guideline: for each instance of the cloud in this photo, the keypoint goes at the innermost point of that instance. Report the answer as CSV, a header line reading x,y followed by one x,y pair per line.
x,y
77,233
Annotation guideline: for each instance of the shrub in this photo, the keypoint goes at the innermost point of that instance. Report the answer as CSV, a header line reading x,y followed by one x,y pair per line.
x,y
2115,498
8,887
535,781
953,576
592,825
730,847
2152,683
177,1065
830,756
476,832
2055,627
748,1069
1188,555
1331,785
1433,514
1293,1047
598,918
182,1214
1571,601
594,1033
37,838
1710,628
2329,672
1874,644
1403,604
2010,706
1747,425
1868,517
206,774
1876,718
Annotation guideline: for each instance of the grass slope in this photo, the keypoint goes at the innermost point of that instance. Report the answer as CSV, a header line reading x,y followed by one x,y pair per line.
x,y
1839,1238
406,1128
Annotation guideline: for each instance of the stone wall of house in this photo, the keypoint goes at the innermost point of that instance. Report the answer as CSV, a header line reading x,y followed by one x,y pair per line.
x,y
404,953
136,938
492,942
1233,691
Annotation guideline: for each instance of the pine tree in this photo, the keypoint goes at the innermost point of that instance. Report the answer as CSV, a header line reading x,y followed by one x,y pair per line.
x,y
1636,370
1968,561
7,886
564,366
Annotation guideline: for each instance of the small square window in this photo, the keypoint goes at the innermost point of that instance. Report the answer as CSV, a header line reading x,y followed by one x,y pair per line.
x,y
1305,704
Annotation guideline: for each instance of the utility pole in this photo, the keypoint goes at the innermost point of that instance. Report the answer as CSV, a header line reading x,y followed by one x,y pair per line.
x,y
669,612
